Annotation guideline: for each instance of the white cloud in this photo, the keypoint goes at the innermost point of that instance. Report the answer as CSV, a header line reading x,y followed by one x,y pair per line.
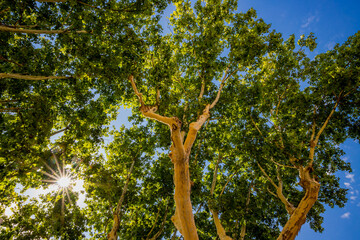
x,y
330,45
353,198
346,215
348,185
350,176
308,21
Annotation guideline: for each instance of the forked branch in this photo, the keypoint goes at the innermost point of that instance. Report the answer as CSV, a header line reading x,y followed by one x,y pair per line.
x,y
314,142
219,228
194,128
162,224
289,207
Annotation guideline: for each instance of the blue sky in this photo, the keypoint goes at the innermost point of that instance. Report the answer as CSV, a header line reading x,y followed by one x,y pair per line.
x,y
332,21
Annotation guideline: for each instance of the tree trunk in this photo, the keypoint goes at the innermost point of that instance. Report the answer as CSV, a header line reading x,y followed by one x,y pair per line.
x,y
183,218
182,200
298,218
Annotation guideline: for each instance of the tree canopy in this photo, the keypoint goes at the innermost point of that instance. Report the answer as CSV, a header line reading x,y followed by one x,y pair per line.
x,y
235,132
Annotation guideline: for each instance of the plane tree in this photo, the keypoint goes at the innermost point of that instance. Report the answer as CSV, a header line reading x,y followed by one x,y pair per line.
x,y
284,113
231,123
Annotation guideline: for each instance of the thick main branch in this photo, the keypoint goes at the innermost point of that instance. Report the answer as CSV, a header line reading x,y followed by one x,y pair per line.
x,y
298,218
184,217
29,77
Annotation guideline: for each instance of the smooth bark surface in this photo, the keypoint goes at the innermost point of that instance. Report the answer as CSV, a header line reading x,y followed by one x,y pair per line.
x,y
29,77
183,218
298,218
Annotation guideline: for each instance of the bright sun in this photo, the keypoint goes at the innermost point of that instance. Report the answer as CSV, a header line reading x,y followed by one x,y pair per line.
x,y
64,182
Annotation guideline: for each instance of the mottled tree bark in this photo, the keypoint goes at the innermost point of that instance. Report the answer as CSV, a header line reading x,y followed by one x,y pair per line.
x,y
298,217
183,218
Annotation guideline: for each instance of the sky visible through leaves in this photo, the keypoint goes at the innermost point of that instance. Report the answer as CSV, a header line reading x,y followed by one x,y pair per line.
x,y
332,21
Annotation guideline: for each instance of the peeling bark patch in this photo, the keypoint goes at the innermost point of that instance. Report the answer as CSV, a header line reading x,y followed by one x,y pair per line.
x,y
174,127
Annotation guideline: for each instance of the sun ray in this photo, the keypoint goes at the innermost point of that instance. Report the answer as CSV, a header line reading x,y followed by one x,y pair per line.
x,y
57,165
55,174
50,181
49,175
67,193
63,181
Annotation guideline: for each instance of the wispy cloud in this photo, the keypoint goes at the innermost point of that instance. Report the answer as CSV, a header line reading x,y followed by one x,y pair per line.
x,y
346,215
350,176
330,45
348,185
309,20
353,198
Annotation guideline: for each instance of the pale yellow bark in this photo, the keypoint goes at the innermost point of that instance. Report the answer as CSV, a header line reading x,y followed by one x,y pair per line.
x,y
29,77
288,206
298,218
179,154
308,182
183,218
219,228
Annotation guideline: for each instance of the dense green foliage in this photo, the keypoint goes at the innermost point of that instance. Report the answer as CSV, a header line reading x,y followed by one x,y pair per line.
x,y
274,99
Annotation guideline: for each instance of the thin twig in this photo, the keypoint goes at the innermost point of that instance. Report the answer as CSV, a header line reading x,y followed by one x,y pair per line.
x,y
202,89
10,61
8,101
4,11
156,218
35,31
215,175
314,143
138,94
220,88
256,126
59,131
282,165
267,176
227,182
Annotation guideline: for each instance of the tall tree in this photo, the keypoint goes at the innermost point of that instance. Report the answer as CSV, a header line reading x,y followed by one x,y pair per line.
x,y
230,120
